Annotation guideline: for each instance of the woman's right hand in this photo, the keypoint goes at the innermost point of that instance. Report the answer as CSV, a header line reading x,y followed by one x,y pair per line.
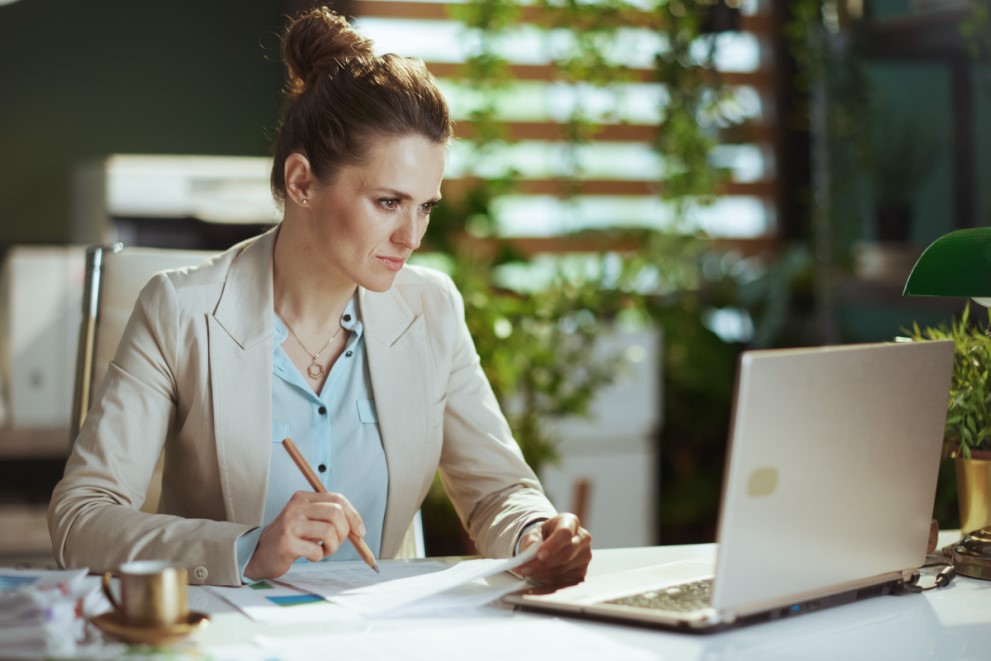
x,y
311,526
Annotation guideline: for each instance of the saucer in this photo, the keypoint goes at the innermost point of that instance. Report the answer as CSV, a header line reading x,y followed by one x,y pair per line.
x,y
111,623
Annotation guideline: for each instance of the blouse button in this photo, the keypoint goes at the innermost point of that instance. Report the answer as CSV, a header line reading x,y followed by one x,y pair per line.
x,y
322,410
322,468
347,317
348,353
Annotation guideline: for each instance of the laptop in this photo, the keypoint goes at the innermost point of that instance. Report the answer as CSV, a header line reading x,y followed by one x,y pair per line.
x,y
827,494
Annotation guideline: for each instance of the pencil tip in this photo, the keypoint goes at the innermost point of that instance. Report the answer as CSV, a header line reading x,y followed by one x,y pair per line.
x,y
376,568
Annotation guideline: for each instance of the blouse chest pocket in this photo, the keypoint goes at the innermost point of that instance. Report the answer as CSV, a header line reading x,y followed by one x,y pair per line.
x,y
367,414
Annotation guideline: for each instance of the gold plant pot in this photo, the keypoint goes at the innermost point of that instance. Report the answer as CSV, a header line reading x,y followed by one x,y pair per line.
x,y
974,493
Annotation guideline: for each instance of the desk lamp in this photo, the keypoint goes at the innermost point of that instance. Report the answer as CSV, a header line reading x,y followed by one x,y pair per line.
x,y
959,264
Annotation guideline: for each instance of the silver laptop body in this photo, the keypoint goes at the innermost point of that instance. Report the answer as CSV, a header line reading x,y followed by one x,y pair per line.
x,y
827,494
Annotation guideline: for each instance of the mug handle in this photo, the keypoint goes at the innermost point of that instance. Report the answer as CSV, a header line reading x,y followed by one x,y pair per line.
x,y
108,592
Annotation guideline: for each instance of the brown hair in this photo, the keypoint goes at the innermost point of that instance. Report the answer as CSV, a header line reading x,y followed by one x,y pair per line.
x,y
339,94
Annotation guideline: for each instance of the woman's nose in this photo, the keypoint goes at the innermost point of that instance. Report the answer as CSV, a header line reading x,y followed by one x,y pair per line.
x,y
409,232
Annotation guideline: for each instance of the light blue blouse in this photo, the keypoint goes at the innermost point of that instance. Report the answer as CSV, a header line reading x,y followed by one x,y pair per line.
x,y
336,431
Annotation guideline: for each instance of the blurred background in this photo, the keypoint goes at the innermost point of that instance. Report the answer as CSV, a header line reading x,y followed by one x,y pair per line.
x,y
639,191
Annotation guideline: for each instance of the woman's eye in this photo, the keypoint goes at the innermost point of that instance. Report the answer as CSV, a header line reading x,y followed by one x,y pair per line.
x,y
427,208
389,203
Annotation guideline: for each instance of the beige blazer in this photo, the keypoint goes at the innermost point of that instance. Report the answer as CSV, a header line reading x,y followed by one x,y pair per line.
x,y
193,375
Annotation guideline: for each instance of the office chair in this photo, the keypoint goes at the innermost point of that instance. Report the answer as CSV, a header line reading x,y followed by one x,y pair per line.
x,y
114,277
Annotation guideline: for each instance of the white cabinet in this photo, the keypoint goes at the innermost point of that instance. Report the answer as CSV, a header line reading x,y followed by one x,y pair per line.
x,y
41,293
615,449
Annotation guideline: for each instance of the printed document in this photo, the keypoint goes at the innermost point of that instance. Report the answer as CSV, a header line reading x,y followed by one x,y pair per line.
x,y
400,583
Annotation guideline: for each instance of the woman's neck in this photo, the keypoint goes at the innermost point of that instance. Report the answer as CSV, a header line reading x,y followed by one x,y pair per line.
x,y
305,295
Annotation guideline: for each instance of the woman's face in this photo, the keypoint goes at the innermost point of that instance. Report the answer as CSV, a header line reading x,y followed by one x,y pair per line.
x,y
368,221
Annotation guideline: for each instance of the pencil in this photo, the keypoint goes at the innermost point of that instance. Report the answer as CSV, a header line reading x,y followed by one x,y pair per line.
x,y
311,477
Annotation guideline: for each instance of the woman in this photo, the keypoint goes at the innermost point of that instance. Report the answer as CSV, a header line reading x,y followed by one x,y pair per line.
x,y
317,330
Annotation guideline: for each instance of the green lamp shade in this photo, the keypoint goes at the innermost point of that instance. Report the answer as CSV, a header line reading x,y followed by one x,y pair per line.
x,y
955,264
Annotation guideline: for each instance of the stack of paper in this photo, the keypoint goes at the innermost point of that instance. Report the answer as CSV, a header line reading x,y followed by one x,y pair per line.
x,y
349,590
452,587
42,612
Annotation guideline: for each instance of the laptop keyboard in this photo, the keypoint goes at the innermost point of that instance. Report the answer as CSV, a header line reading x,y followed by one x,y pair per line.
x,y
682,598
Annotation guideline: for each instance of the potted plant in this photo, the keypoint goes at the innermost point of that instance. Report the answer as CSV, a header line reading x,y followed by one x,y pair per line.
x,y
967,438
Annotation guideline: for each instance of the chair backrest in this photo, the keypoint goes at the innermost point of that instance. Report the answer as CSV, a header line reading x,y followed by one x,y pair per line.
x,y
114,278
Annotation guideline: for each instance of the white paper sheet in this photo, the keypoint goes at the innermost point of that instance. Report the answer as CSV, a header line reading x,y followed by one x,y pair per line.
x,y
399,585
267,601
461,599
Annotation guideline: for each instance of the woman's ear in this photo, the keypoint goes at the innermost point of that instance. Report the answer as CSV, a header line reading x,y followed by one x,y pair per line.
x,y
299,179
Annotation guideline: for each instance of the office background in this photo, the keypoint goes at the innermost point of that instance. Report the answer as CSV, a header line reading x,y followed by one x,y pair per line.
x,y
82,80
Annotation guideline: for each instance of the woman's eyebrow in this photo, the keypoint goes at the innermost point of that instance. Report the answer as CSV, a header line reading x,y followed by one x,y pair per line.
x,y
391,192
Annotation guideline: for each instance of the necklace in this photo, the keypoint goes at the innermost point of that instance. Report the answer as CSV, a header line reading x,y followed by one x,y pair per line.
x,y
315,370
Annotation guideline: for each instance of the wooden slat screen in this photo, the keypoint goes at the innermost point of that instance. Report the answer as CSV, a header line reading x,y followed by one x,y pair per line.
x,y
536,211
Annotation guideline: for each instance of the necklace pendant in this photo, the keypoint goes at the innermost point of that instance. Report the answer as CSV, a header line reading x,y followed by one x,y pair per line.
x,y
314,371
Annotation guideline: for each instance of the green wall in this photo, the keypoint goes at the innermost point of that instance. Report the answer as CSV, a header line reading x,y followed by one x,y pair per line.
x,y
84,78
982,98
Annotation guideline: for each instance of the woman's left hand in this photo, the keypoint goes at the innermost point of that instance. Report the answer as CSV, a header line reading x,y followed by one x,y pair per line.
x,y
564,553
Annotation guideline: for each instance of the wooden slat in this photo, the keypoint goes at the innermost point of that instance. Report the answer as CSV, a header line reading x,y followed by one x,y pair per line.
x,y
611,187
763,26
555,131
760,24
762,79
643,133
598,242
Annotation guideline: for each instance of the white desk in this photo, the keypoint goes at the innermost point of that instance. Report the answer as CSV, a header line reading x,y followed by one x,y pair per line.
x,y
949,623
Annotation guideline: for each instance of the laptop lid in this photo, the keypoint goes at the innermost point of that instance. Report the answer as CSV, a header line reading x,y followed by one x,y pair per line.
x,y
828,489
833,460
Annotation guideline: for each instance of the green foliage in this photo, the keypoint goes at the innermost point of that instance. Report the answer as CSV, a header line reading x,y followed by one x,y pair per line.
x,y
536,337
687,132
976,30
832,102
536,345
536,340
698,382
539,351
694,95
968,418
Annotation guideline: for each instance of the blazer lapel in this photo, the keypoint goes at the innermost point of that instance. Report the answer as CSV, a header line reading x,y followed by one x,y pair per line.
x,y
240,340
395,341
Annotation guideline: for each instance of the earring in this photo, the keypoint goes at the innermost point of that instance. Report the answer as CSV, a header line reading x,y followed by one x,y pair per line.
x,y
305,201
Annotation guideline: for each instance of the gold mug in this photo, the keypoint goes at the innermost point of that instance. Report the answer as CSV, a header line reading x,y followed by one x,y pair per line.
x,y
152,594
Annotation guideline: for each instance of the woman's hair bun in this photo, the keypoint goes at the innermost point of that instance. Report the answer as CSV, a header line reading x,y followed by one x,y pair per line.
x,y
316,42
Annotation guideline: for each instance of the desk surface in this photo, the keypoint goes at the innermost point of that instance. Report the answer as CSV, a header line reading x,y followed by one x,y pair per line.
x,y
949,623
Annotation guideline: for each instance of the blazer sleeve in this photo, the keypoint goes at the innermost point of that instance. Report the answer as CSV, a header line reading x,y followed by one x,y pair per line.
x,y
94,516
494,491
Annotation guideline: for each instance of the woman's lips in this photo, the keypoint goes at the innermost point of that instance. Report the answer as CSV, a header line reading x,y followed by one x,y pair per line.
x,y
392,263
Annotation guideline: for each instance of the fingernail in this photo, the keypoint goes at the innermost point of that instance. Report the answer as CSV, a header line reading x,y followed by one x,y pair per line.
x,y
361,530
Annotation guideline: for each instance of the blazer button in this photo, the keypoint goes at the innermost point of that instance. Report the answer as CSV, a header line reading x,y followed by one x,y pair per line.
x,y
200,573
